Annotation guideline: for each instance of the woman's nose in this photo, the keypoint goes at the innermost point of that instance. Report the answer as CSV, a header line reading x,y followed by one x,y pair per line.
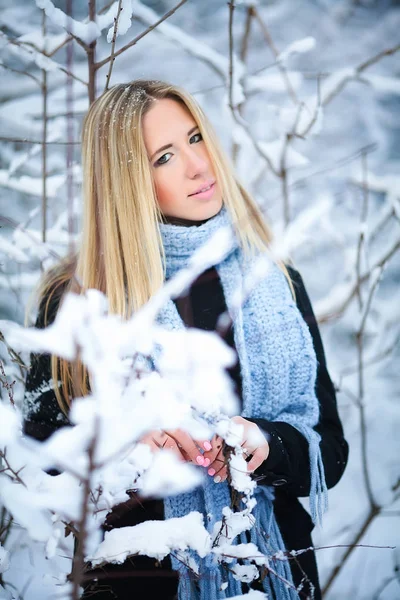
x,y
195,164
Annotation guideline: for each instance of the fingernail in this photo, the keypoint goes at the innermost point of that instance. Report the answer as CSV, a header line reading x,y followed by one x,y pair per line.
x,y
200,460
206,462
211,472
217,479
207,446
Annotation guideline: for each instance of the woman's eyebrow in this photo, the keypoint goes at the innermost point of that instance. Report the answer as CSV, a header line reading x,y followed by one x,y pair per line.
x,y
170,145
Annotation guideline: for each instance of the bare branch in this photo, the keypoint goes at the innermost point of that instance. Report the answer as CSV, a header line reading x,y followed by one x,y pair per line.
x,y
374,511
35,79
230,83
246,34
353,286
374,359
44,138
363,224
91,57
114,37
25,141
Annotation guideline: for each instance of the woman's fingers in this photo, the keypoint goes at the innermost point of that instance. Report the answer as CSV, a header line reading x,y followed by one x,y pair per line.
x,y
189,446
216,448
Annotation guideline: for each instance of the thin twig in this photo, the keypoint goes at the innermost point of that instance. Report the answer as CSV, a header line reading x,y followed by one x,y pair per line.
x,y
114,38
246,35
35,79
353,288
44,138
38,142
363,224
3,456
373,359
79,556
231,5
6,385
374,511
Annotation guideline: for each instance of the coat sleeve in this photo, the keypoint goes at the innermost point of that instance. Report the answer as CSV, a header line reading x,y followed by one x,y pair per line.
x,y
287,465
41,411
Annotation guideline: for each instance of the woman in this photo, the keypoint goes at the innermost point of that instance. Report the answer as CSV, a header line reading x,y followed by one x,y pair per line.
x,y
156,186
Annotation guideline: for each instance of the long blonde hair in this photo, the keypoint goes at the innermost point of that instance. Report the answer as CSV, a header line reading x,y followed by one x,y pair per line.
x,y
121,251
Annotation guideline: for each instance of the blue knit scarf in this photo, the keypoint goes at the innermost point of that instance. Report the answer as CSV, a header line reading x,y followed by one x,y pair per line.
x,y
278,369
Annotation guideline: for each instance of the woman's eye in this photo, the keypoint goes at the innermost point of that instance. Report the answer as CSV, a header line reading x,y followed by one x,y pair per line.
x,y
196,135
162,160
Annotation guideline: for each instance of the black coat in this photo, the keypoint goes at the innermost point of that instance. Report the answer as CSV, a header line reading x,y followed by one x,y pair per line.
x,y
286,468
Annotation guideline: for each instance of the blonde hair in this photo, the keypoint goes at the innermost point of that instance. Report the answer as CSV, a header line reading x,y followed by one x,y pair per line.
x,y
121,252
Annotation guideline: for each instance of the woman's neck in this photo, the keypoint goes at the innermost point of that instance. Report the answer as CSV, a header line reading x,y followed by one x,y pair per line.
x,y
185,222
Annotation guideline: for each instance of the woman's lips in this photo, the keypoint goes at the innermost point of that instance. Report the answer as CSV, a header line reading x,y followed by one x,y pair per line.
x,y
204,195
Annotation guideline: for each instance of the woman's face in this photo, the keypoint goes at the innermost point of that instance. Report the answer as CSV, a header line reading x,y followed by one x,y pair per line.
x,y
180,163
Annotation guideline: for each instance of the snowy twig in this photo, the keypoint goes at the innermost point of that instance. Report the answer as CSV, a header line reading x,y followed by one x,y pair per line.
x,y
25,46
106,60
6,385
357,71
275,52
15,357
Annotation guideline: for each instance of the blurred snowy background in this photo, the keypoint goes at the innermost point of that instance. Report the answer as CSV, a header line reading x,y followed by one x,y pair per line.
x,y
318,85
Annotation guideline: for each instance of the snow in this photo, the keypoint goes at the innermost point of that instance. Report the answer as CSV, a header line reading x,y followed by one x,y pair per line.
x,y
253,595
155,539
247,551
87,32
4,560
275,151
299,47
124,20
167,476
245,573
241,480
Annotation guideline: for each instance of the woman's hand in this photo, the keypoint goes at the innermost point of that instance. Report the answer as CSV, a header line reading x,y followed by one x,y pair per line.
x,y
178,441
255,449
